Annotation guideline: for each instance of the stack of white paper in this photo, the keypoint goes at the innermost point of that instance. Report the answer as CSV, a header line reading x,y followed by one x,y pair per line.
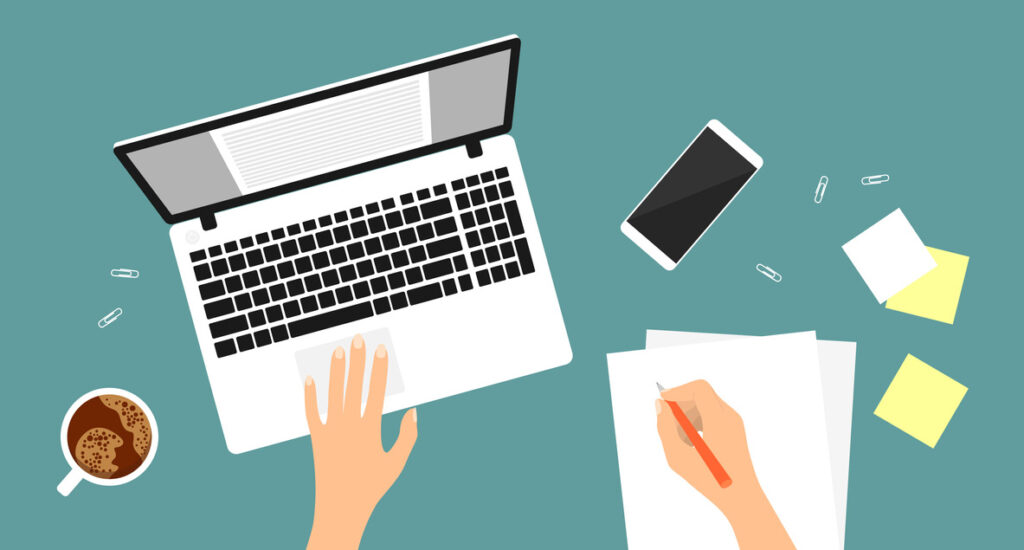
x,y
799,446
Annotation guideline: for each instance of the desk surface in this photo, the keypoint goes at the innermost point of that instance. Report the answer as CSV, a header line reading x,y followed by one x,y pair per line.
x,y
606,100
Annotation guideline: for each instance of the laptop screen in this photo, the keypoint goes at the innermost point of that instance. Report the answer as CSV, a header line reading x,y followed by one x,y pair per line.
x,y
326,133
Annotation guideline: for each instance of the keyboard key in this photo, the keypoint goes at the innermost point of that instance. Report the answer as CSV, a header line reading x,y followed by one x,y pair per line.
x,y
262,238
394,219
473,239
312,282
251,278
424,293
233,283
309,225
423,194
382,263
245,242
330,278
411,214
277,234
468,220
478,258
361,289
498,273
436,208
377,224
197,255
482,216
262,338
413,275
460,262
292,309
491,192
497,212
324,221
330,319
326,299
260,297
230,247
355,251
505,188
444,246
372,208
449,287
303,265
417,254
202,272
245,342
324,239
387,204
501,230
341,234
340,217
462,201
211,290
493,254
224,348
280,333
445,226
274,313
343,294
365,268
458,184
257,319
338,255
438,269
514,221
390,241
237,262
398,301
507,251
285,269
359,229
320,260
382,305
395,280
483,278
400,258
356,212
487,235
373,246
473,180
408,236
347,273
466,283
309,304
487,177
295,287
425,231
501,172
477,197
214,250
307,243
272,253
294,229
220,267
228,326
525,259
243,302
407,198
440,189
289,248
219,308
278,292
512,269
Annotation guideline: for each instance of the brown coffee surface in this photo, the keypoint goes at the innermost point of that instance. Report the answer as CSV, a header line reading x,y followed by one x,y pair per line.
x,y
121,436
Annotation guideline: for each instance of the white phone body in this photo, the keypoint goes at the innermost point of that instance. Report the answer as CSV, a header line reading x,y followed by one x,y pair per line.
x,y
644,243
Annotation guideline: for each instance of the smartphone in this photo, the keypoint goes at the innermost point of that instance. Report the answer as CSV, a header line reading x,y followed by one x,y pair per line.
x,y
691,195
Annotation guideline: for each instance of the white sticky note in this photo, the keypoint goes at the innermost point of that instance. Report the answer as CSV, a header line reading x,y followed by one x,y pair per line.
x,y
889,256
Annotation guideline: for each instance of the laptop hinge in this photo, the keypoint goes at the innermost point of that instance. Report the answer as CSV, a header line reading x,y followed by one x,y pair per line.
x,y
209,221
474,149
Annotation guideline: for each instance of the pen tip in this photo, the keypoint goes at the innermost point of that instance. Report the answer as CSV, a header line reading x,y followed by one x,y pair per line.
x,y
660,387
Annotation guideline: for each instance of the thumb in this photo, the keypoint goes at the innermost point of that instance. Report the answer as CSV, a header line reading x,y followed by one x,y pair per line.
x,y
407,433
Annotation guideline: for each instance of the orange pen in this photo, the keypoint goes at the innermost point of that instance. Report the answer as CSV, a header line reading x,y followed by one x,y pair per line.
x,y
705,453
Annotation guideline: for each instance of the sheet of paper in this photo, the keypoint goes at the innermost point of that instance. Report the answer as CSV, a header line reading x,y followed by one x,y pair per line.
x,y
889,255
937,294
775,384
920,401
838,362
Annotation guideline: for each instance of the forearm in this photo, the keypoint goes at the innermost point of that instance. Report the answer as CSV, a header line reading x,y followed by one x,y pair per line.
x,y
756,525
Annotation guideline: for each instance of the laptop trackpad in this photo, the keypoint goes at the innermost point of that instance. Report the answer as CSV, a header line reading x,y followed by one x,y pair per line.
x,y
316,362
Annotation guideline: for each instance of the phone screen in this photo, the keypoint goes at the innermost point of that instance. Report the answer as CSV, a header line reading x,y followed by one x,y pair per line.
x,y
691,194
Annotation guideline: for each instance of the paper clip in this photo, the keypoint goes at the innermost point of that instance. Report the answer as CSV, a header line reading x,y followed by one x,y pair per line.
x,y
769,272
874,180
819,193
110,317
124,273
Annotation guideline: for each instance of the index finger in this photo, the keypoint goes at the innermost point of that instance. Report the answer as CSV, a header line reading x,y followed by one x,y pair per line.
x,y
699,394
378,383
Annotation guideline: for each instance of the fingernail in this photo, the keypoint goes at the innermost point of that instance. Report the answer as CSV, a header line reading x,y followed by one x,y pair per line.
x,y
309,380
339,352
415,416
381,352
657,405
357,342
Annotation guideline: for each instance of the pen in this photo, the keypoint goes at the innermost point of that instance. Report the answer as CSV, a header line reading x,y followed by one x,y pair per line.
x,y
705,453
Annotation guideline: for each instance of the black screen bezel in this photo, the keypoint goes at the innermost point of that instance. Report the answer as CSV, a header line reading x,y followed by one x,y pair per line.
x,y
121,151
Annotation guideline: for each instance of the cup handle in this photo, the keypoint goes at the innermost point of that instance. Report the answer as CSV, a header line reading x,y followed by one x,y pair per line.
x,y
69,483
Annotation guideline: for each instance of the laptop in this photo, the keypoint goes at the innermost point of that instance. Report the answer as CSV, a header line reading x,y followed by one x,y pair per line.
x,y
392,205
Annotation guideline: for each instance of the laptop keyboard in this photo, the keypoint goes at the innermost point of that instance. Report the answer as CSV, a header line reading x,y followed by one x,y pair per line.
x,y
365,261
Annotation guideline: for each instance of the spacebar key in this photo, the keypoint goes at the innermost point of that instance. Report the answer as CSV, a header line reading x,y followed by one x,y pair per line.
x,y
330,319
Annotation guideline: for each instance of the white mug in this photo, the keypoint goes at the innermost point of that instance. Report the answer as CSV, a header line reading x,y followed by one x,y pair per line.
x,y
77,474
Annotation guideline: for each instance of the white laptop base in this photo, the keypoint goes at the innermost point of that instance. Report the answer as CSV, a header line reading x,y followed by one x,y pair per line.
x,y
447,346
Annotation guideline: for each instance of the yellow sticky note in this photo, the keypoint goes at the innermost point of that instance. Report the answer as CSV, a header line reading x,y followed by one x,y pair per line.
x,y
936,294
920,401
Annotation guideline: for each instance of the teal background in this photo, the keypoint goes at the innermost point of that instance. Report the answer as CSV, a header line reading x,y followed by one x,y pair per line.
x,y
608,96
